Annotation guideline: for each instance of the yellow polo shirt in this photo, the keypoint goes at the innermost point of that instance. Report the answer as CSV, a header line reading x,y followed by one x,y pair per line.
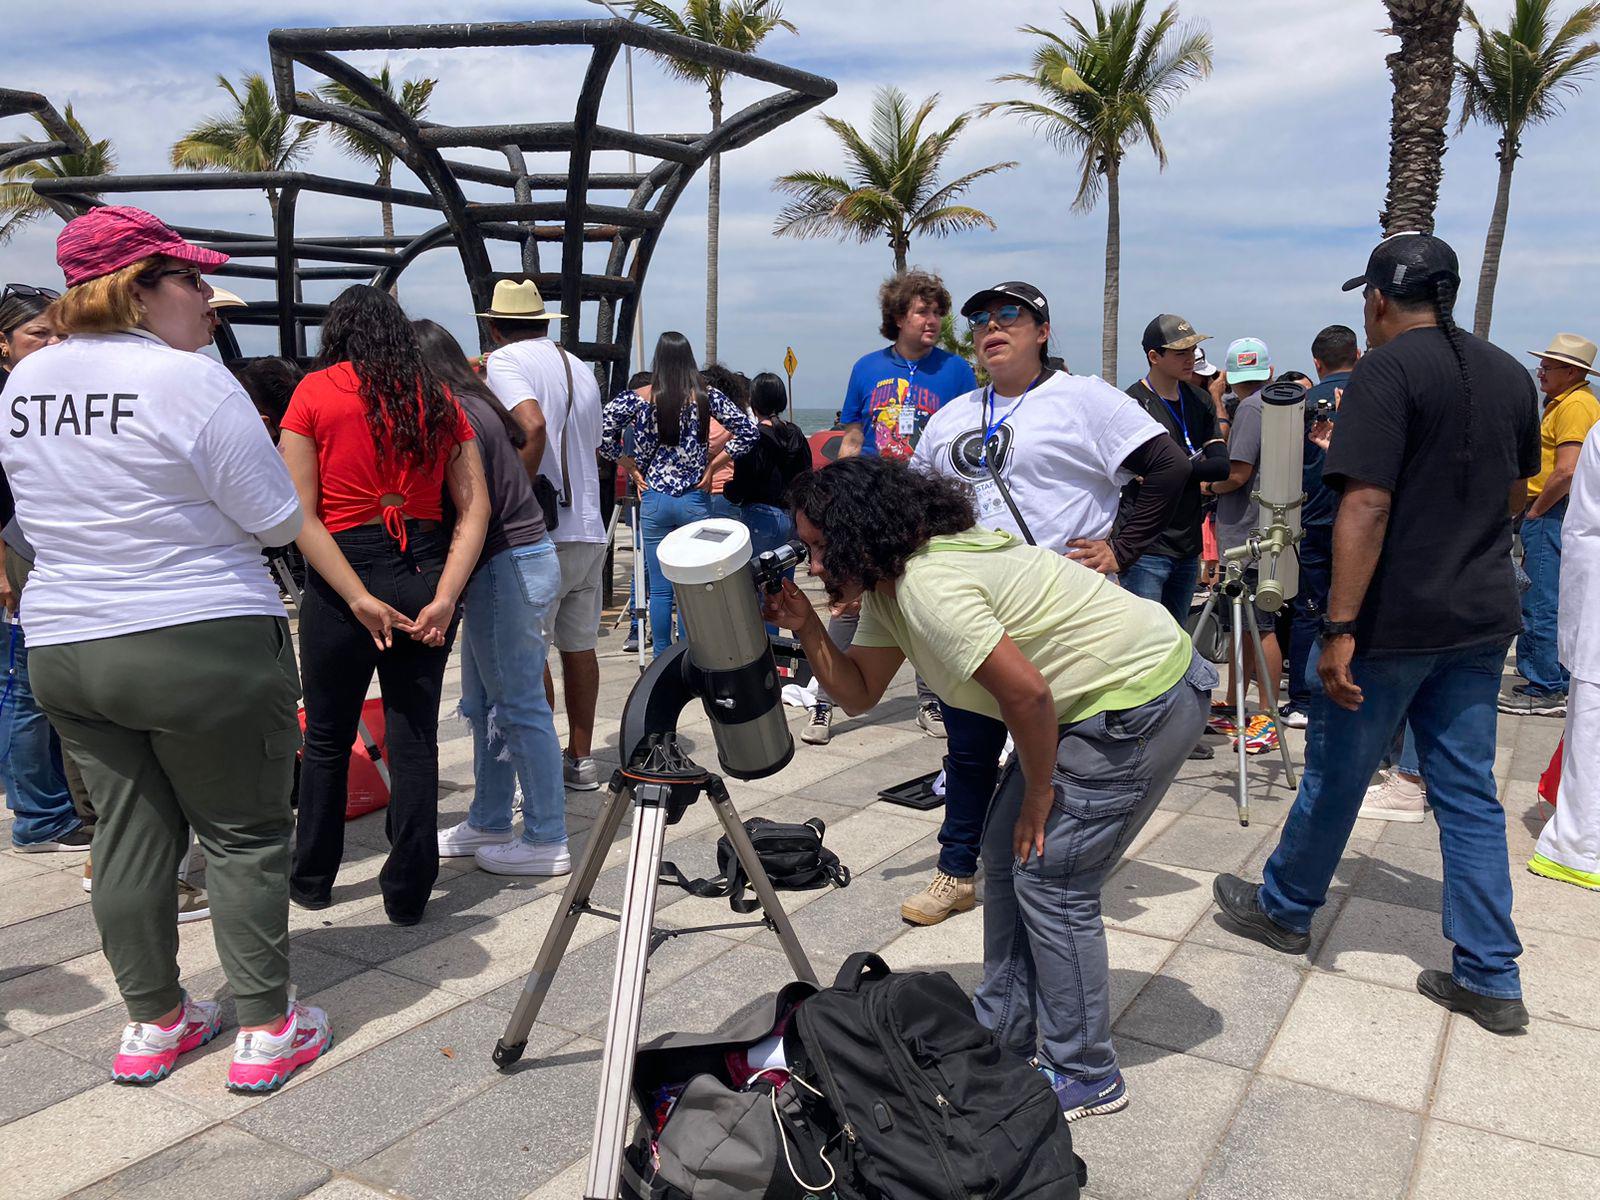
x,y
1567,418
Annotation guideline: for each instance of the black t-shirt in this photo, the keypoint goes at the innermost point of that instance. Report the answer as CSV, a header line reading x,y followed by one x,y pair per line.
x,y
1444,578
1192,424
1322,502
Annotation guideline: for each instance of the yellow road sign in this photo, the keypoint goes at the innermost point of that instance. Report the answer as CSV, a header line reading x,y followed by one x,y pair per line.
x,y
790,362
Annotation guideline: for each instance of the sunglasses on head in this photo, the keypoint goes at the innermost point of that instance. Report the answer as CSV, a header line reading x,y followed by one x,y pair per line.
x,y
28,292
1005,316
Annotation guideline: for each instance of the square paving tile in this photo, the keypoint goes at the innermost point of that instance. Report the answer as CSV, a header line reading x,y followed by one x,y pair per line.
x,y
1154,899
1539,1086
1205,844
222,1163
1362,1039
47,940
1386,943
1358,1150
1457,1162
34,1076
1213,1004
46,892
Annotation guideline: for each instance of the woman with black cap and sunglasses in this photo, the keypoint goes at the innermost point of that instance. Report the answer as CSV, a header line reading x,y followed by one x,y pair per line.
x,y
1047,455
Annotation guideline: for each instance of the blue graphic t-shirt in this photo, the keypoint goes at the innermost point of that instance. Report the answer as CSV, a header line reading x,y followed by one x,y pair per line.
x,y
892,399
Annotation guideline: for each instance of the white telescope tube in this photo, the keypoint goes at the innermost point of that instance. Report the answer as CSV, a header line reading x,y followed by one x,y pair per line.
x,y
1280,488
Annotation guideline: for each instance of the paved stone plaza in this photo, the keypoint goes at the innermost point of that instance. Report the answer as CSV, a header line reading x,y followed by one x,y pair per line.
x,y
1251,1075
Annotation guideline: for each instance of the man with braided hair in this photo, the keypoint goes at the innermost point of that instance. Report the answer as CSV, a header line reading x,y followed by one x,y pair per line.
x,y
1438,435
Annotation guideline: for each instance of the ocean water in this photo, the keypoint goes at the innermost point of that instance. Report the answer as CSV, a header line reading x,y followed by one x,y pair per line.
x,y
812,420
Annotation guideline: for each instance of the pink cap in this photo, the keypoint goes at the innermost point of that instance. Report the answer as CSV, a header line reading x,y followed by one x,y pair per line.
x,y
107,239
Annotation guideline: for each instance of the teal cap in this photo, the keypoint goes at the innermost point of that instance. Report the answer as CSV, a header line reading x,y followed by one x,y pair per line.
x,y
1249,360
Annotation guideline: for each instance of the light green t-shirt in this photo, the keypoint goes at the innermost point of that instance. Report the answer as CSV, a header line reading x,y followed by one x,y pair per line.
x,y
1101,649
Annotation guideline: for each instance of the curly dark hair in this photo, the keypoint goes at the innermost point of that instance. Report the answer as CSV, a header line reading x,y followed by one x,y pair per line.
x,y
875,512
897,293
367,328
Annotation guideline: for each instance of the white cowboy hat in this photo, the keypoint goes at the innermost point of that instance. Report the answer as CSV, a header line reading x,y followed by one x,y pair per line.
x,y
223,298
519,302
1571,349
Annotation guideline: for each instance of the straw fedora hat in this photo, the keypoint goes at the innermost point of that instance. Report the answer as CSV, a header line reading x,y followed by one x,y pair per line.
x,y
519,302
1571,349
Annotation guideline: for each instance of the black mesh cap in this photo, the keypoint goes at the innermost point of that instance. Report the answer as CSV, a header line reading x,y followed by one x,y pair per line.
x,y
1171,332
1406,264
1014,292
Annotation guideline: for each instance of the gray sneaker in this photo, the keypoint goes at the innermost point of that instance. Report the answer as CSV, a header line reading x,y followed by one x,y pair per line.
x,y
1522,701
580,774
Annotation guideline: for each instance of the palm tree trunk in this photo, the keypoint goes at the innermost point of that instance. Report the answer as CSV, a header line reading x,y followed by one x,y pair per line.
x,y
713,230
385,178
1108,330
1496,238
1423,70
901,246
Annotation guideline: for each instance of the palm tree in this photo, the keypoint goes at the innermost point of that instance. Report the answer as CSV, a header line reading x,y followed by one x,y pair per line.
x,y
953,339
256,135
1101,92
893,189
20,204
737,25
1519,76
413,101
1422,70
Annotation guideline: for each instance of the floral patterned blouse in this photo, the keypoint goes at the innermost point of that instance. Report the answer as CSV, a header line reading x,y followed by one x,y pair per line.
x,y
674,470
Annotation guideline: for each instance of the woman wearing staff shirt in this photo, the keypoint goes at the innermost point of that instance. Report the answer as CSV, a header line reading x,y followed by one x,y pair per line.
x,y
372,439
1063,446
1100,689
159,648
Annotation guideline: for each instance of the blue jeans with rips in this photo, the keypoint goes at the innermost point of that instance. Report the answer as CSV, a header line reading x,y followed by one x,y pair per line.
x,y
1449,698
30,755
1541,559
508,614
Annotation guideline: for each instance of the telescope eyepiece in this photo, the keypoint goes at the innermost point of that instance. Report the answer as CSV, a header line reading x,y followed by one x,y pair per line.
x,y
771,565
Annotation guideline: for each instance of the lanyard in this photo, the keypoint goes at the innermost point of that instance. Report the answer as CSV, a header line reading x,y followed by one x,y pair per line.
x,y
991,427
1177,413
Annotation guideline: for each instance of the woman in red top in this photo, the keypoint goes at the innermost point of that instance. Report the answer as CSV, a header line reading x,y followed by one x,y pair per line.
x,y
372,439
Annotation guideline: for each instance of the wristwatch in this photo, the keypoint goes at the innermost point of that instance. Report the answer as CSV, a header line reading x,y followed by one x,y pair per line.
x,y
1333,629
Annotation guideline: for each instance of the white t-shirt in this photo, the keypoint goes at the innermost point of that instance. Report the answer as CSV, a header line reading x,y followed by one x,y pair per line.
x,y
532,370
1060,453
140,474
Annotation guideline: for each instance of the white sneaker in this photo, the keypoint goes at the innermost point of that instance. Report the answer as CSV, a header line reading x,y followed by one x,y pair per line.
x,y
580,774
930,718
819,730
463,841
1394,798
520,858
1296,718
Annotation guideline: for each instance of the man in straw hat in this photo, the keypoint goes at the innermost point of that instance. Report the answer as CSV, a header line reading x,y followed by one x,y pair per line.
x,y
555,398
1570,411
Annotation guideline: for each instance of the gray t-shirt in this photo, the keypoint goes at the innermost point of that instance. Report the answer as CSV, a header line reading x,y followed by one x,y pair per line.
x,y
1236,511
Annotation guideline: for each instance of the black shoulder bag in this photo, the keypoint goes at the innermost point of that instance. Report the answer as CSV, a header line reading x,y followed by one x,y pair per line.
x,y
793,857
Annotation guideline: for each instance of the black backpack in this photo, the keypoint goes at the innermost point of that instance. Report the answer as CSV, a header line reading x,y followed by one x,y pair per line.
x,y
793,856
930,1106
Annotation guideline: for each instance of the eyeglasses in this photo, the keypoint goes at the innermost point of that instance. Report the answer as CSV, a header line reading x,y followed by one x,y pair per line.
x,y
28,292
193,275
1005,317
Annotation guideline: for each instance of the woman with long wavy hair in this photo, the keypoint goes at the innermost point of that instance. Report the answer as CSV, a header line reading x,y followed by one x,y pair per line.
x,y
672,437
372,438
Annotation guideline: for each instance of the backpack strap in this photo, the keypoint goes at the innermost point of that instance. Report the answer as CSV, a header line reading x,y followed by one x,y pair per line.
x,y
861,966
566,422
705,888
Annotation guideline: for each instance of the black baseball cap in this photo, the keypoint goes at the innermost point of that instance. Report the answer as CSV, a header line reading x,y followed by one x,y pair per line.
x,y
1014,292
1406,264
1171,332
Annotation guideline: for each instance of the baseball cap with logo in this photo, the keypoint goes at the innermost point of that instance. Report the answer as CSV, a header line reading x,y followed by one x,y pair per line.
x,y
1406,264
1170,332
1013,292
107,239
1203,366
1248,360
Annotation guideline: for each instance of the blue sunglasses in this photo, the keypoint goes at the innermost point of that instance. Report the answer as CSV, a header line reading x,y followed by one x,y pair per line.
x,y
1005,317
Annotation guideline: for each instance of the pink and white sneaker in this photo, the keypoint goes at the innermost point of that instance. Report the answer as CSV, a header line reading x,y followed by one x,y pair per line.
x,y
263,1062
149,1052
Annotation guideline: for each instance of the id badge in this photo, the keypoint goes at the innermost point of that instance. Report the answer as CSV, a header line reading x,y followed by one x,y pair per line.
x,y
990,505
908,419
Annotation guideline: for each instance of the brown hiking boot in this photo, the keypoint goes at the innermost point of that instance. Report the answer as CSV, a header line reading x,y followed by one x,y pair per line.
x,y
943,897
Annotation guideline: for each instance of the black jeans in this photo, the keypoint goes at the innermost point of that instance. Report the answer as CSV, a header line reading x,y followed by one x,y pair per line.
x,y
338,657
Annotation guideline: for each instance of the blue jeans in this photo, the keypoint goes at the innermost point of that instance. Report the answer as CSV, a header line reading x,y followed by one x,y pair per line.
x,y
1541,559
663,514
971,766
1449,699
1316,575
1170,582
30,757
514,740
1046,980
769,528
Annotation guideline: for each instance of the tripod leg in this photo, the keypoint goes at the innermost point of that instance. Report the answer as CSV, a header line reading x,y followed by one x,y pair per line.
x,y
1240,687
627,993
515,1038
757,874
1272,708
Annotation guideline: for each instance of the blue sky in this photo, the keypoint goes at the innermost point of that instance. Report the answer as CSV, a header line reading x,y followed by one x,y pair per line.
x,y
1270,199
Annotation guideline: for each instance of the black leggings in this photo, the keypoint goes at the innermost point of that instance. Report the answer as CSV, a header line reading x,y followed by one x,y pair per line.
x,y
337,658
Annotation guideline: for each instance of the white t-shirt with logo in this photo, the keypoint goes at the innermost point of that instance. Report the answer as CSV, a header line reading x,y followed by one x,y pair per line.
x,y
1060,452
140,474
532,369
